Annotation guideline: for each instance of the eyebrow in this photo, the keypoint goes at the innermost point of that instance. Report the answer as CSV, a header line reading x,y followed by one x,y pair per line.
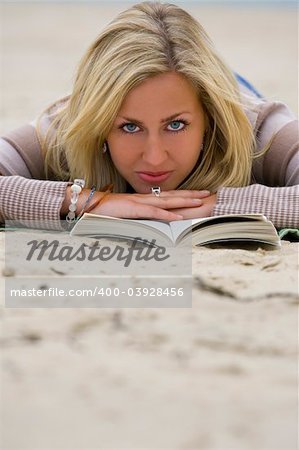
x,y
167,119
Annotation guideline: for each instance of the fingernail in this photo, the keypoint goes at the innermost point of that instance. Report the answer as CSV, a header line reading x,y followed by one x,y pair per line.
x,y
196,200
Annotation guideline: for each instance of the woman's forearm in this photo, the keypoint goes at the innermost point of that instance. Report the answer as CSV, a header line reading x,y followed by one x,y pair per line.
x,y
279,204
35,203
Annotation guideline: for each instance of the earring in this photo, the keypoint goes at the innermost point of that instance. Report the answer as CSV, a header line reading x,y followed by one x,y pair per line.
x,y
105,147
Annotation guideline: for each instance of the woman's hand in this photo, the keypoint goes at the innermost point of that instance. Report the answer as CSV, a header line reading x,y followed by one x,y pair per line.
x,y
204,210
170,205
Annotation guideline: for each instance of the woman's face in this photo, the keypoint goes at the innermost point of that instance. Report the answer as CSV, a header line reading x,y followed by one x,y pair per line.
x,y
157,135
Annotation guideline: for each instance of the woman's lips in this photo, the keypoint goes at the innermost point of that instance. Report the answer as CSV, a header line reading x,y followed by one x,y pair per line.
x,y
153,177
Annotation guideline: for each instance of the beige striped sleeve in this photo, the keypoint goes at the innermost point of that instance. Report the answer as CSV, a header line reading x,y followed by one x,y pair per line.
x,y
280,205
33,203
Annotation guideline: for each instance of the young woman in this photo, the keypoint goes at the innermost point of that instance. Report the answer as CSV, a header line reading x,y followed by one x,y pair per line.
x,y
155,113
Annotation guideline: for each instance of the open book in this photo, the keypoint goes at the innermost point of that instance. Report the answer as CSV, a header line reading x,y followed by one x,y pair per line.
x,y
208,230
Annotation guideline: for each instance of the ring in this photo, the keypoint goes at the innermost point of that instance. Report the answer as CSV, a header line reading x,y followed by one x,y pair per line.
x,y
156,190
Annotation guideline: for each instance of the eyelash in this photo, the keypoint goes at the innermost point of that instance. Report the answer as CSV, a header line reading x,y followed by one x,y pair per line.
x,y
121,127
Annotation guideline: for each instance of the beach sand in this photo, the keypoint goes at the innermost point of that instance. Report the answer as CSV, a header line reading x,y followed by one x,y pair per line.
x,y
221,375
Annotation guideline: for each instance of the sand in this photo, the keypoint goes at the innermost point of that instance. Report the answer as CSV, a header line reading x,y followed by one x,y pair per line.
x,y
221,375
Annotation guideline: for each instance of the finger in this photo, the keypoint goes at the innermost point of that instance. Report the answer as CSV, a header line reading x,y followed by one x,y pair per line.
x,y
152,212
186,193
190,213
176,193
134,210
170,202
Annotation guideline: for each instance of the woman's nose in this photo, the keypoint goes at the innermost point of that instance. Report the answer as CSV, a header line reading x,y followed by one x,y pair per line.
x,y
154,152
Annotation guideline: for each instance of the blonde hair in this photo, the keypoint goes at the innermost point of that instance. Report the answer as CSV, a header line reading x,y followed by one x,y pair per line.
x,y
148,39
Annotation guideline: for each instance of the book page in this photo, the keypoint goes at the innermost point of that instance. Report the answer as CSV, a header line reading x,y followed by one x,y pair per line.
x,y
116,225
173,230
164,227
180,227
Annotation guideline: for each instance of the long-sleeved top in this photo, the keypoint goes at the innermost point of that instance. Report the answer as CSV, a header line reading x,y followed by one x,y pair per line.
x,y
274,188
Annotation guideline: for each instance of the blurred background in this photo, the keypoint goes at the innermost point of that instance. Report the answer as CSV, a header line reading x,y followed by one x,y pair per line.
x,y
219,376
42,43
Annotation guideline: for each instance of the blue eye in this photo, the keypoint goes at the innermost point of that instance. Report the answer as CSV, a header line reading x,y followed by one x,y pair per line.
x,y
176,125
130,128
